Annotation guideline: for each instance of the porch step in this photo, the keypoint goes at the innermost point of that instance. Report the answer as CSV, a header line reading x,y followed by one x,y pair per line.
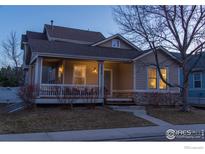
x,y
119,101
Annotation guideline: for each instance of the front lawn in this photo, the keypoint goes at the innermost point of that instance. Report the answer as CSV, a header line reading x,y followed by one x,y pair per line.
x,y
175,116
44,119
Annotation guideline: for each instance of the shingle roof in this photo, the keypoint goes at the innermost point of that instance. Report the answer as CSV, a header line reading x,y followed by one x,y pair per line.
x,y
176,54
74,34
200,64
66,48
32,35
36,35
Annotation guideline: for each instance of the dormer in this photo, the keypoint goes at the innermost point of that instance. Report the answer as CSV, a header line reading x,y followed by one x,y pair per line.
x,y
116,41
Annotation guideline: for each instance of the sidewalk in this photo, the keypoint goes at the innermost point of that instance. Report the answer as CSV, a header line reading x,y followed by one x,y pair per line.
x,y
139,111
100,134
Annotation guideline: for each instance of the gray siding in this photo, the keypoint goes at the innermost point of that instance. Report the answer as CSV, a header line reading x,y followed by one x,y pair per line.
x,y
148,60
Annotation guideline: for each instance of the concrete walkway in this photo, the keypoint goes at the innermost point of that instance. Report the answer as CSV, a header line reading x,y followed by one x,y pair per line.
x,y
118,134
139,111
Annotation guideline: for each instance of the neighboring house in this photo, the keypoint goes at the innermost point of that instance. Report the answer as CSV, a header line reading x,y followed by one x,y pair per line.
x,y
196,80
83,63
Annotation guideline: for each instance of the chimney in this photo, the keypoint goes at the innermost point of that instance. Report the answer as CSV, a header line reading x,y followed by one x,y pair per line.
x,y
52,25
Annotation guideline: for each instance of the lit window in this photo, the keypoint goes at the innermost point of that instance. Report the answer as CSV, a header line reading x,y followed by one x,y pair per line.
x,y
197,80
116,43
79,74
152,78
163,85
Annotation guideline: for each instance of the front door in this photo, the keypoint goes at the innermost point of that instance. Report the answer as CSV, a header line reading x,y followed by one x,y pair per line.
x,y
108,82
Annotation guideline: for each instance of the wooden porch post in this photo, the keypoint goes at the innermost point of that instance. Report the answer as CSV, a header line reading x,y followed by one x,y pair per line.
x,y
38,72
101,78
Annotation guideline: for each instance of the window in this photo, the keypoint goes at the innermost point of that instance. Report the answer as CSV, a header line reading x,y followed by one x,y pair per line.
x,y
116,43
197,77
154,80
79,74
163,85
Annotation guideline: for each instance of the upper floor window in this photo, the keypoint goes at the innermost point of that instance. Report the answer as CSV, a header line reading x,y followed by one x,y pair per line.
x,y
79,74
116,43
197,78
154,80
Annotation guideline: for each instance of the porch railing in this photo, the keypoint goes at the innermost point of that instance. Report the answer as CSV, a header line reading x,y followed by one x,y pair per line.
x,y
68,90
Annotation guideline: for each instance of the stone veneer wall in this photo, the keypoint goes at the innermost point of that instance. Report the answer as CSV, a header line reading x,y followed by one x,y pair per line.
x,y
156,98
151,98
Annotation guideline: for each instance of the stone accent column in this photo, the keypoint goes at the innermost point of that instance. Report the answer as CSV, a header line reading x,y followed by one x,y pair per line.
x,y
101,78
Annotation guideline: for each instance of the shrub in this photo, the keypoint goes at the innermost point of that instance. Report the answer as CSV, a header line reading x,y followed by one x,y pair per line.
x,y
28,94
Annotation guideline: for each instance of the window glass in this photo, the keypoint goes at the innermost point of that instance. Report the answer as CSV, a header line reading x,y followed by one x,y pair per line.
x,y
197,80
116,43
152,78
79,74
163,85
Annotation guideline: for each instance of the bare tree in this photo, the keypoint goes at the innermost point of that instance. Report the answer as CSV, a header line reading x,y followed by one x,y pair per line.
x,y
11,51
179,28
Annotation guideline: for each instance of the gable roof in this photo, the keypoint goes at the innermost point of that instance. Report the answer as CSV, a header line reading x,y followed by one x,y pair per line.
x,y
116,36
68,49
149,51
65,33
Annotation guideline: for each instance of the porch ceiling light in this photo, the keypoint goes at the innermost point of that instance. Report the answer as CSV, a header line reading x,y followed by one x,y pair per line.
x,y
60,69
94,70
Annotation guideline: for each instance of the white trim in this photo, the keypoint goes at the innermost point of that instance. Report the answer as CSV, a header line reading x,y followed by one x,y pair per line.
x,y
54,100
193,74
111,76
114,36
77,57
41,69
84,67
101,78
70,85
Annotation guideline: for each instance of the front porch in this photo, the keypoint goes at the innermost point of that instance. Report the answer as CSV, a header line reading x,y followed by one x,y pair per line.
x,y
82,81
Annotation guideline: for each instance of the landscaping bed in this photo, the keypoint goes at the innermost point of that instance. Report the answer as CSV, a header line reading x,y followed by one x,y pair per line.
x,y
173,115
43,119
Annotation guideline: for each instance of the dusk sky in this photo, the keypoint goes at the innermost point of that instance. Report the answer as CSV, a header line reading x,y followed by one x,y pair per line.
x,y
22,18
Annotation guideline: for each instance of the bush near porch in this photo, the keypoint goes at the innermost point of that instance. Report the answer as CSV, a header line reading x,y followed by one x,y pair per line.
x,y
44,119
